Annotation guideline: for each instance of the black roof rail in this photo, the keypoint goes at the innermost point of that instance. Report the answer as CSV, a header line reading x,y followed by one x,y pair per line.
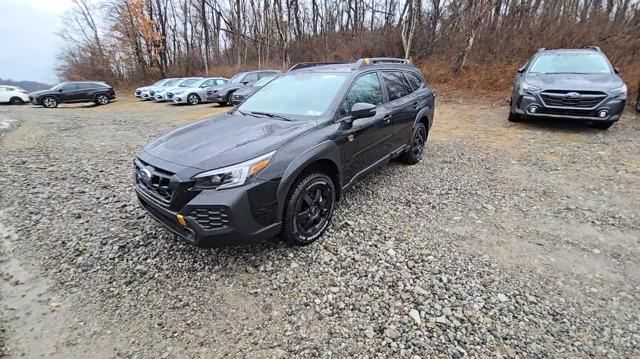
x,y
594,48
304,65
380,60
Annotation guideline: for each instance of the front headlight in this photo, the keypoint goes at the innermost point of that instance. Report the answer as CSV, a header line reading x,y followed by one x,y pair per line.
x,y
526,88
232,176
619,93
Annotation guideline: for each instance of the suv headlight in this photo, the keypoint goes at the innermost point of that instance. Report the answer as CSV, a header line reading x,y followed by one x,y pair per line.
x,y
526,88
619,93
232,176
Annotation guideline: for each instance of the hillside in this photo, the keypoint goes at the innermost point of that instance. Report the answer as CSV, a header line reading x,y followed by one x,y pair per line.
x,y
27,85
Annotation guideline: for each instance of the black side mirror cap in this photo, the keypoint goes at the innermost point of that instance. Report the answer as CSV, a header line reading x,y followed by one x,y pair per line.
x,y
616,70
521,70
362,110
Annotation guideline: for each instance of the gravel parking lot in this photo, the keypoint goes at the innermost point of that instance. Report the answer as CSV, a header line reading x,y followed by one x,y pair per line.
x,y
508,240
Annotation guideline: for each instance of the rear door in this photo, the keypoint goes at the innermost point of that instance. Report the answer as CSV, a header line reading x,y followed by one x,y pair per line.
x,y
401,106
366,140
71,92
4,94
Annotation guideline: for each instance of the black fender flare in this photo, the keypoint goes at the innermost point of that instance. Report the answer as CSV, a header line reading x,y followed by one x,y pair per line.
x,y
327,150
425,112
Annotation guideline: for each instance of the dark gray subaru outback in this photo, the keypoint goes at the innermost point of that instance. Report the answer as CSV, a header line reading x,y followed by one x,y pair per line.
x,y
577,84
278,162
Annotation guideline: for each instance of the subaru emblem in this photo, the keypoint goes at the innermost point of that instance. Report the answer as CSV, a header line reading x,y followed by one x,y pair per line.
x,y
573,95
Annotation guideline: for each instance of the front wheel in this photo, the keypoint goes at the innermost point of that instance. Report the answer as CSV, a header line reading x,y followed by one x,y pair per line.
x,y
49,102
414,154
193,99
308,210
102,99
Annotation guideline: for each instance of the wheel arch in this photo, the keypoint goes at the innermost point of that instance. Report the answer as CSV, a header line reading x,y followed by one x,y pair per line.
x,y
324,157
425,116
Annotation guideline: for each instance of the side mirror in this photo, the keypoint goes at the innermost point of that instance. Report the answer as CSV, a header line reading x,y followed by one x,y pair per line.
x,y
362,110
245,82
521,70
616,70
59,90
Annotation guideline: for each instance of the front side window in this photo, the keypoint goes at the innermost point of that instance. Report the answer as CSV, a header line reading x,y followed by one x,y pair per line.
x,y
171,82
220,82
189,82
365,89
253,77
69,87
304,94
570,63
396,84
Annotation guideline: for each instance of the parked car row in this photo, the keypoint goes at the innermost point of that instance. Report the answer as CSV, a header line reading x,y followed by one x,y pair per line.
x,y
196,90
66,92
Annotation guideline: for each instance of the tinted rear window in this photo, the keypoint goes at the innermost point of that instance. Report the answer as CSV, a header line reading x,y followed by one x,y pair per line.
x,y
414,80
396,84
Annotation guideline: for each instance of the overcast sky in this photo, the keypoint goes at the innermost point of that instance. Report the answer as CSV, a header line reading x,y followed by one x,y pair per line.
x,y
28,41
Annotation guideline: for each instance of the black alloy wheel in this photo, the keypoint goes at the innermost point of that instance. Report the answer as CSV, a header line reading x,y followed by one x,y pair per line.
x,y
309,209
414,154
50,102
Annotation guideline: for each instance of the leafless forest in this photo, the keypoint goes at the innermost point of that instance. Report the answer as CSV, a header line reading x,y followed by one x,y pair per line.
x,y
467,43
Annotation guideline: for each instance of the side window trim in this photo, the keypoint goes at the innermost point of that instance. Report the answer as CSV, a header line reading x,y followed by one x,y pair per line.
x,y
344,97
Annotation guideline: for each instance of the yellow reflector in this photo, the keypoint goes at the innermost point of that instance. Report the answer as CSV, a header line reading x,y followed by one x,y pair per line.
x,y
181,220
258,166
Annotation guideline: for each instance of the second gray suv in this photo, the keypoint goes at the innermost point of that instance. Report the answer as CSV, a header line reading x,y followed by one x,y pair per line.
x,y
579,84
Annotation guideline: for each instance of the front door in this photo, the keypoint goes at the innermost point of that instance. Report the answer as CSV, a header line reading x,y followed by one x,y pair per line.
x,y
402,107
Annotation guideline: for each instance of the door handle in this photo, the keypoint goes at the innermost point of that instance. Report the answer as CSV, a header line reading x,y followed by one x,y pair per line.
x,y
386,119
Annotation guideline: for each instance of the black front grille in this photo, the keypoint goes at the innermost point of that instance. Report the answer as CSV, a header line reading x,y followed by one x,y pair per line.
x,y
584,100
138,92
151,93
170,95
567,112
157,185
216,217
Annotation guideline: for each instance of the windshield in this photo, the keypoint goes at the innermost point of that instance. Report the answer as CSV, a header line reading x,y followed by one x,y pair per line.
x,y
171,82
189,82
58,86
237,77
158,83
263,81
306,94
580,63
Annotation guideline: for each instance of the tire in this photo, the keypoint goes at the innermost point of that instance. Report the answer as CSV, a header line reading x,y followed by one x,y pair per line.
x,y
418,142
602,125
308,210
514,117
193,99
221,104
49,102
102,99
16,101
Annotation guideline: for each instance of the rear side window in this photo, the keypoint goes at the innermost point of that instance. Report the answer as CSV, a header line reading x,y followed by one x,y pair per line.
x,y
414,80
365,89
86,86
220,82
396,84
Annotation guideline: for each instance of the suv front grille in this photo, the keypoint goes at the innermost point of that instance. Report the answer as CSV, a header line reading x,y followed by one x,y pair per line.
x,y
151,93
170,95
586,100
138,92
157,186
211,217
567,112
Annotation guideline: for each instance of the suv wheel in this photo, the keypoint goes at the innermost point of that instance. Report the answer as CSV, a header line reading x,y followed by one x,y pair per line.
x,y
414,154
193,99
602,125
49,102
16,101
513,117
308,211
102,99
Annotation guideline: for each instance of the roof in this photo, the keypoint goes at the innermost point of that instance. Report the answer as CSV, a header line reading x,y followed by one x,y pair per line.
x,y
366,63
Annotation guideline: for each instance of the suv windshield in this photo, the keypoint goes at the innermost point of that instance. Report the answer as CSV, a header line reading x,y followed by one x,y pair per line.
x,y
59,86
189,82
580,63
306,94
237,78
171,82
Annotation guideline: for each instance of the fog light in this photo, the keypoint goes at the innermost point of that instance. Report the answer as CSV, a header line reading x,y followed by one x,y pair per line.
x,y
603,114
181,220
533,109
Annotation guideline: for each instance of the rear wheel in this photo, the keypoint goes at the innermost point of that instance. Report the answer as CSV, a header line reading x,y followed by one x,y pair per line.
x,y
602,125
309,208
16,101
50,102
102,99
193,99
414,154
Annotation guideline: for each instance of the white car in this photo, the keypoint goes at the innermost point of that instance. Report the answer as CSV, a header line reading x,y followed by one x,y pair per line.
x,y
139,90
161,95
196,93
13,95
149,92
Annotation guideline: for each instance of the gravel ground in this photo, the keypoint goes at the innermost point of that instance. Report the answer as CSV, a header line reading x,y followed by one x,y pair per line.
x,y
508,240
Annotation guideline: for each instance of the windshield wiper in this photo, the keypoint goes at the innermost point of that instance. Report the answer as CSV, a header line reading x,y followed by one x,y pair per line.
x,y
272,115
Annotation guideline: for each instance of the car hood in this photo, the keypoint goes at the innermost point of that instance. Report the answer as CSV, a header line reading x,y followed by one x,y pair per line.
x,y
574,82
143,88
246,91
226,87
40,93
225,140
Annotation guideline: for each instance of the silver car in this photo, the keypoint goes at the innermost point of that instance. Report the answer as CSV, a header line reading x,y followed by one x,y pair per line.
x,y
195,93
161,95
148,93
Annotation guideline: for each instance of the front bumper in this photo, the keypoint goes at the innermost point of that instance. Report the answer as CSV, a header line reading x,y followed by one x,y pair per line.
x,y
218,218
217,97
522,105
160,98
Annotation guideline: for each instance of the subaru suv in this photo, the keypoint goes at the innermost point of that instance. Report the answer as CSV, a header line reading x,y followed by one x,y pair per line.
x,y
278,163
577,84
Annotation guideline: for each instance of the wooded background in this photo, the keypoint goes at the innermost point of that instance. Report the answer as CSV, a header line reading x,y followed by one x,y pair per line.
x,y
463,43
